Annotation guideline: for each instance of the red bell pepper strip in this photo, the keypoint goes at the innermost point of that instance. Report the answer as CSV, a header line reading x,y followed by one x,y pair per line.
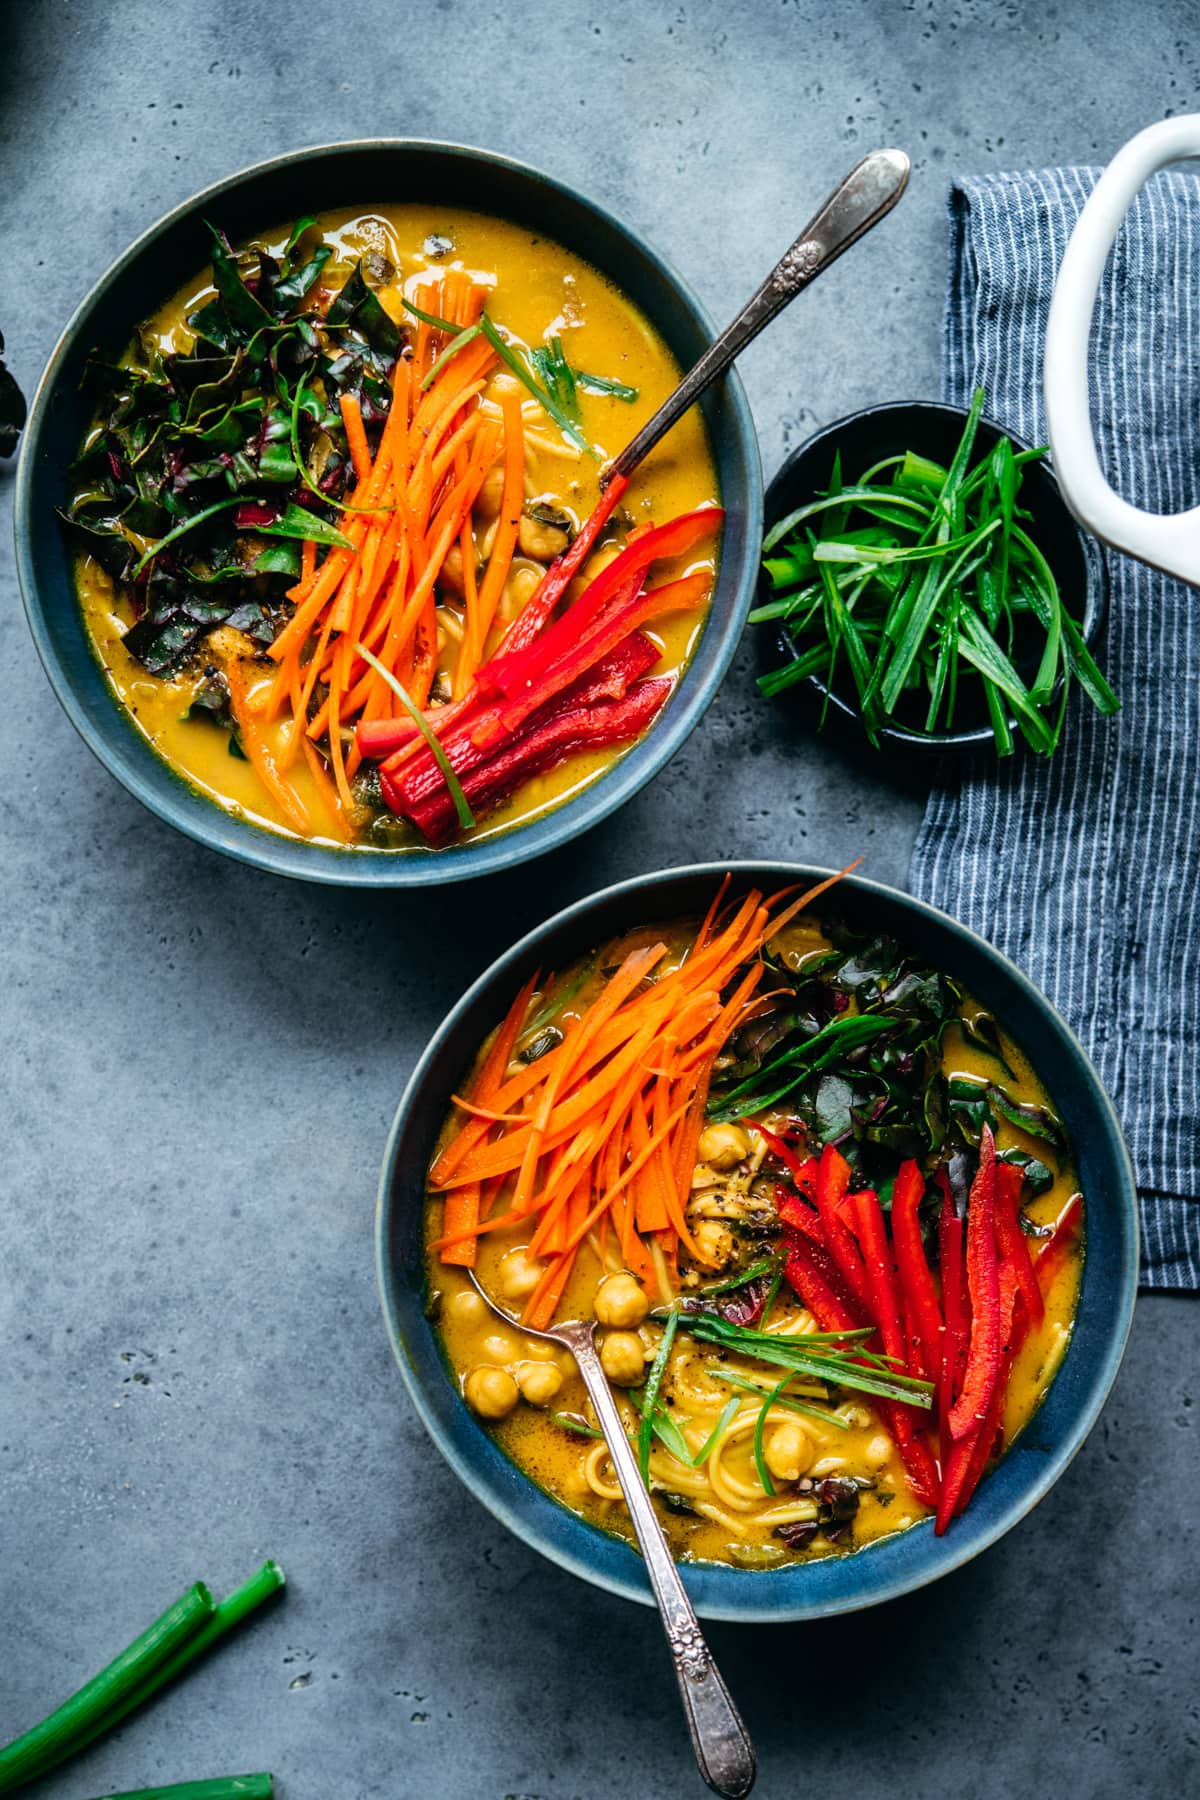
x,y
678,596
983,1276
533,616
816,1287
802,1169
877,1260
420,778
833,1178
579,728
798,1215
967,1458
515,672
954,1306
1011,1239
920,1297
1056,1250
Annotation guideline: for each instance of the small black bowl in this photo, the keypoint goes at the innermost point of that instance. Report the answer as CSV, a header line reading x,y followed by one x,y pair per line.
x,y
933,429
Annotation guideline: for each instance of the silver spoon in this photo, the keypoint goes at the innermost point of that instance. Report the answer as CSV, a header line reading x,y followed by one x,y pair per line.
x,y
867,194
720,1739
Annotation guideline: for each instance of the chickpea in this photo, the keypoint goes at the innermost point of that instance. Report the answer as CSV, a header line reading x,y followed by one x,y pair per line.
x,y
599,560
723,1146
518,589
468,1307
490,495
519,1274
542,533
539,1382
715,1241
492,1393
788,1452
227,644
450,575
499,1347
620,1301
623,1357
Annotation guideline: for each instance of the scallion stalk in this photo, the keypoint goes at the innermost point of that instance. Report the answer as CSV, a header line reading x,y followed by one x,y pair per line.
x,y
88,1711
224,1787
226,1617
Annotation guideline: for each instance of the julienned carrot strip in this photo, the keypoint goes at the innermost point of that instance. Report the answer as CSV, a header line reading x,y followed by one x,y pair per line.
x,y
308,560
449,529
635,968
460,1221
542,1302
487,1083
500,1222
651,1205
356,437
259,756
507,526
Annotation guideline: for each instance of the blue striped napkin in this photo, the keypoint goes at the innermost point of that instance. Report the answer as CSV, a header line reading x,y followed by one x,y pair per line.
x,y
1086,869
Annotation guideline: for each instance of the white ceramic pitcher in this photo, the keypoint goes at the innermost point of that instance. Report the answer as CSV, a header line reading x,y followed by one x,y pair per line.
x,y
1167,541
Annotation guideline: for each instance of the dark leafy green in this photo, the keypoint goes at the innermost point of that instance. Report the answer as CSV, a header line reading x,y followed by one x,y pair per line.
x,y
852,1045
207,466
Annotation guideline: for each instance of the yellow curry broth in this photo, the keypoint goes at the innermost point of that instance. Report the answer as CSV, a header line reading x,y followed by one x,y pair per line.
x,y
537,288
559,1461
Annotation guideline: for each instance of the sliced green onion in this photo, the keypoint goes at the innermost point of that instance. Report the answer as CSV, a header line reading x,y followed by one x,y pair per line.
x,y
718,1431
466,817
604,384
577,1426
651,1389
524,375
466,336
727,1286
206,512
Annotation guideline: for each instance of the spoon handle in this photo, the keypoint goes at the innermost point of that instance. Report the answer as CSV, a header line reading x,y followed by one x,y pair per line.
x,y
722,1745
867,193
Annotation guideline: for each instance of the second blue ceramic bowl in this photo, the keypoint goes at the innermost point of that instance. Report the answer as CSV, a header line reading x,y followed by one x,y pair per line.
x,y
881,1571
170,253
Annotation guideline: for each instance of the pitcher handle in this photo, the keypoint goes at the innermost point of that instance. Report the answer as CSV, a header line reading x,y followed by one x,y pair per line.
x,y
1167,541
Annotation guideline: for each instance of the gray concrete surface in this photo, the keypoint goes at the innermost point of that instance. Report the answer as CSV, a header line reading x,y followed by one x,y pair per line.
x,y
199,1063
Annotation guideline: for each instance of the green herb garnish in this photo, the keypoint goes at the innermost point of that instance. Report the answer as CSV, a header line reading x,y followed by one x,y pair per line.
x,y
650,1392
851,1368
906,585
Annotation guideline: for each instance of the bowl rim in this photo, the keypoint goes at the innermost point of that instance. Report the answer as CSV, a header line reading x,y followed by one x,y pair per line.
x,y
1096,590
261,848
752,1610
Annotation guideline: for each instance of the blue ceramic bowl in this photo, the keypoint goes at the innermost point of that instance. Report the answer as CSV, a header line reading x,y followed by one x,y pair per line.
x,y
881,1571
158,264
933,428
